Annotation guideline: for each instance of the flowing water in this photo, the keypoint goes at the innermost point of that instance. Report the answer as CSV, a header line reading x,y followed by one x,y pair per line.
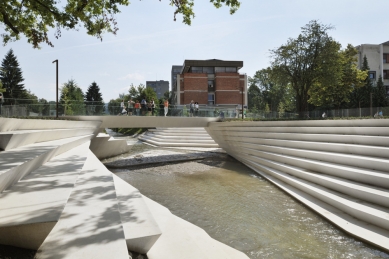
x,y
236,206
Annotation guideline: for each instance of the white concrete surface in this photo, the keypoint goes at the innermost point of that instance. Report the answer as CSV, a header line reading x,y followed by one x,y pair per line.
x,y
180,137
104,146
140,228
14,139
90,225
31,207
19,162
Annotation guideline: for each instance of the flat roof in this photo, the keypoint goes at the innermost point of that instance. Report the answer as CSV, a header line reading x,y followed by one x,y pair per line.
x,y
210,63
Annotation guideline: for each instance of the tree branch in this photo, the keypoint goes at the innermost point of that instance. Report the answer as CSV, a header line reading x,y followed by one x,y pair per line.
x,y
7,22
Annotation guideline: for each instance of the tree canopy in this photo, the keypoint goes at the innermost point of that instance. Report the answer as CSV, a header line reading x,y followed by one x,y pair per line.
x,y
34,18
94,100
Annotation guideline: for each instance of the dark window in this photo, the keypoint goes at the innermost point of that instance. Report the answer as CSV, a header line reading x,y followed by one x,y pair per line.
x,y
197,69
372,74
208,70
231,69
211,85
220,69
386,58
386,74
211,99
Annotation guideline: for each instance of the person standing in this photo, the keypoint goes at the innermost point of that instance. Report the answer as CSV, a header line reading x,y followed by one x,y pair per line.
x,y
137,107
130,106
152,106
196,109
149,108
166,106
191,108
143,105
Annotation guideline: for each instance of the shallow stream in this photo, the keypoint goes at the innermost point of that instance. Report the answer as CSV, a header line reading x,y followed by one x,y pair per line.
x,y
236,206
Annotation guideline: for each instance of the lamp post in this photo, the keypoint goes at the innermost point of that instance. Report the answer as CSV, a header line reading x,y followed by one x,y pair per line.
x,y
56,65
242,102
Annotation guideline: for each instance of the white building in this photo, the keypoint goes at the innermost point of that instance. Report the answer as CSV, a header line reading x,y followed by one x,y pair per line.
x,y
378,58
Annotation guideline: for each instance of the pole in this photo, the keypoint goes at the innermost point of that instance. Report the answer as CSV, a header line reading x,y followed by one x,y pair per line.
x,y
242,102
56,110
371,104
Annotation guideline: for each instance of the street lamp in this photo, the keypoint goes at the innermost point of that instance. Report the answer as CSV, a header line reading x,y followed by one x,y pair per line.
x,y
56,113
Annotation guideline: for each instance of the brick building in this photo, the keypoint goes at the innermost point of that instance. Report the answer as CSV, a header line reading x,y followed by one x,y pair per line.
x,y
211,82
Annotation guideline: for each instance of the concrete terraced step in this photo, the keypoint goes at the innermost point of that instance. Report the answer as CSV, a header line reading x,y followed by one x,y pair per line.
x,y
372,194
181,239
177,139
30,208
192,136
363,150
19,162
374,131
174,144
374,163
10,124
375,215
347,139
90,225
104,146
180,133
14,139
367,232
140,228
362,175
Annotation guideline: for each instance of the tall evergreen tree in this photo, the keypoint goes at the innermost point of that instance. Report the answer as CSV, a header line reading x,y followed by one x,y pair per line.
x,y
12,78
72,99
379,95
94,100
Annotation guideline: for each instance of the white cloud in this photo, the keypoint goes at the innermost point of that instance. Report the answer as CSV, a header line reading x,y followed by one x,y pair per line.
x,y
105,74
133,76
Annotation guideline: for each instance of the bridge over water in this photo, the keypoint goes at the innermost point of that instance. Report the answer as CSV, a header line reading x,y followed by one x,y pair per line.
x,y
147,121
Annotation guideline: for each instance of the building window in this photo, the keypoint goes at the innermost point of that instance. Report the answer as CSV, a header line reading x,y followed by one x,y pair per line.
x,y
372,75
211,99
231,69
208,70
220,69
197,69
386,58
211,85
386,74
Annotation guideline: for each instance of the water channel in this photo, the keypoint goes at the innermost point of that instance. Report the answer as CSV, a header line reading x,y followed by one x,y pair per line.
x,y
236,206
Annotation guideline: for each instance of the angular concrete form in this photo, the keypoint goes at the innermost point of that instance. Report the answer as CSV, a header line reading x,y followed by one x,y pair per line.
x,y
140,228
90,225
30,208
103,146
340,169
179,137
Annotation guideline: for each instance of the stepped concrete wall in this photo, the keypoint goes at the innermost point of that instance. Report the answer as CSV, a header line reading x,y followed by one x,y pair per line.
x,y
340,168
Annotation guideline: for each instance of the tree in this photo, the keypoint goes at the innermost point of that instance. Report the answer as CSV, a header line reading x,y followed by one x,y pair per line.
x,y
267,88
379,95
12,78
72,99
33,18
298,60
338,76
94,100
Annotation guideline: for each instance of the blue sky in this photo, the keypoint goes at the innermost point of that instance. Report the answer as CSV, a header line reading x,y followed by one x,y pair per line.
x,y
149,42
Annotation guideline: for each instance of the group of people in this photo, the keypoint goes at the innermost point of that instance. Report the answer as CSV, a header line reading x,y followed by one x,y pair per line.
x,y
142,108
193,109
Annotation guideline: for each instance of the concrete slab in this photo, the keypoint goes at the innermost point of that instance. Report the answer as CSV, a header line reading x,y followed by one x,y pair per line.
x,y
31,207
90,225
103,146
19,162
140,229
14,139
